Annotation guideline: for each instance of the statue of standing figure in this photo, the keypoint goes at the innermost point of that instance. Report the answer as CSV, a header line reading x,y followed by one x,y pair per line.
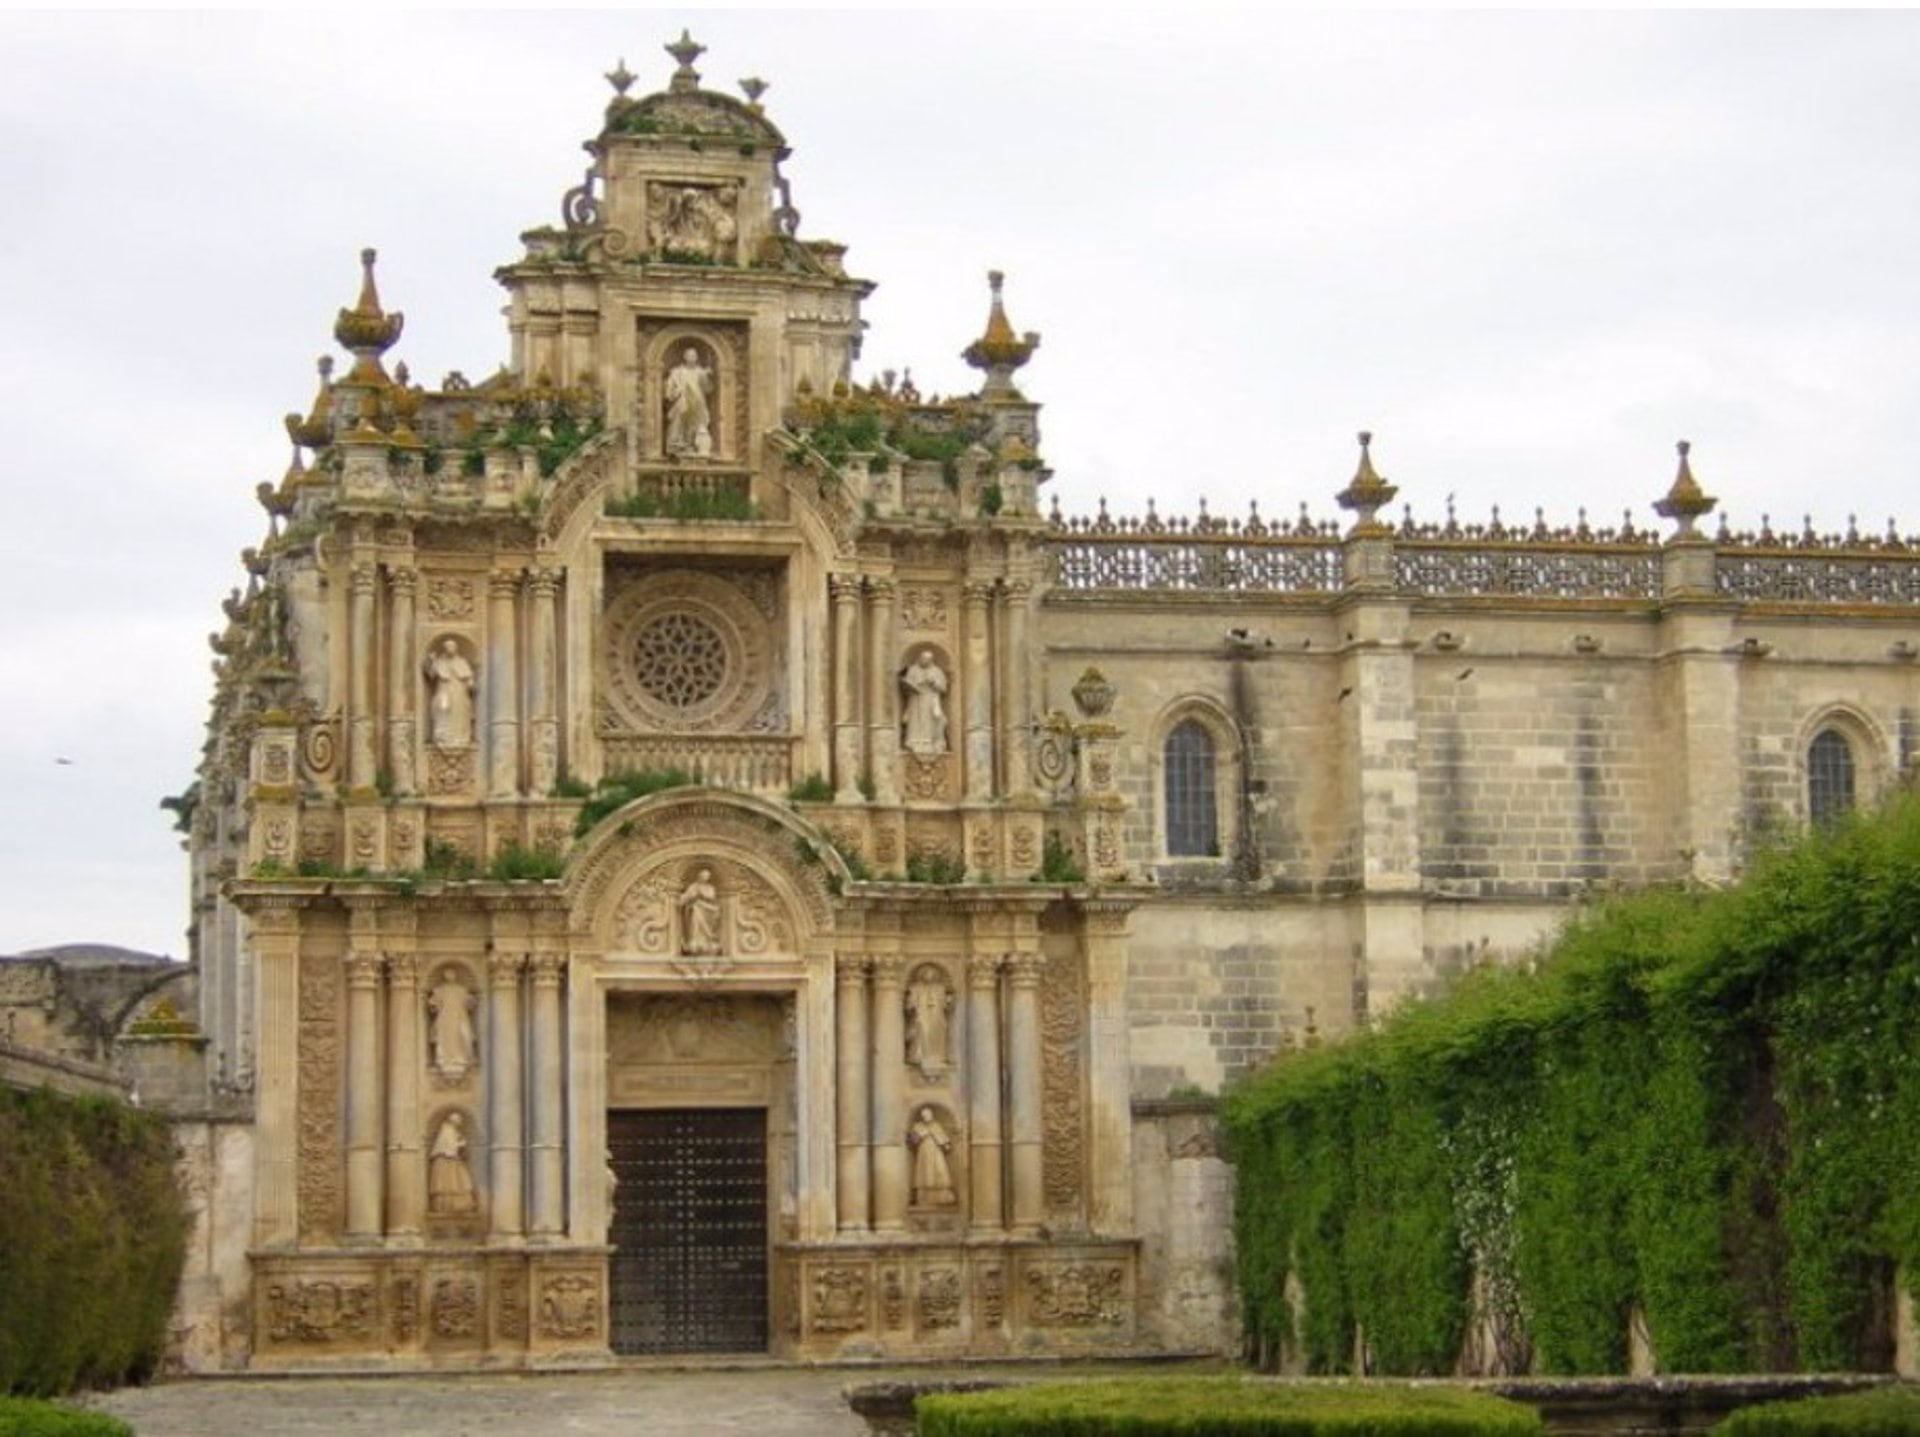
x,y
700,917
450,1035
689,414
450,707
929,1004
924,724
932,1175
450,1191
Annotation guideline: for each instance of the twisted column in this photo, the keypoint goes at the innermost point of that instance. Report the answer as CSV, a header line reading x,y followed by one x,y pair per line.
x,y
405,1167
505,1132
1024,1090
363,1096
890,1161
854,1165
983,1092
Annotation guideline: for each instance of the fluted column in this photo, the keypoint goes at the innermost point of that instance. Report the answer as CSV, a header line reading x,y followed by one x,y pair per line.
x,y
543,681
503,687
851,1097
402,679
983,1091
361,762
364,1157
845,590
890,1164
549,1088
505,1132
883,691
405,1166
1024,1090
979,680
1019,706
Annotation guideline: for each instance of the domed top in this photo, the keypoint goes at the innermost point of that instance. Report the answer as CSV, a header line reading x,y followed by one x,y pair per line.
x,y
684,109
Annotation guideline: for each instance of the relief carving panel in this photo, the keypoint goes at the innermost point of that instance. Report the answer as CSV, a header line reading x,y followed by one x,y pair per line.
x,y
318,1181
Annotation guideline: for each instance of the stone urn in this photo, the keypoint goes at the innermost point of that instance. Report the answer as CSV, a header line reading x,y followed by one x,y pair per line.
x,y
1093,694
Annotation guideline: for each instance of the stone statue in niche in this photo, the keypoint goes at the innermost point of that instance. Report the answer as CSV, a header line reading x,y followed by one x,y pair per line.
x,y
450,704
932,1174
700,917
689,389
924,723
450,1038
929,1004
450,1191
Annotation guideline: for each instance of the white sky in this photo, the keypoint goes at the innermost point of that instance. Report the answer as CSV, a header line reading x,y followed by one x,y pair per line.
x,y
1528,250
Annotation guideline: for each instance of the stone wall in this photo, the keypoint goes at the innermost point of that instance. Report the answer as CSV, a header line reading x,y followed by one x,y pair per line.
x,y
1183,1203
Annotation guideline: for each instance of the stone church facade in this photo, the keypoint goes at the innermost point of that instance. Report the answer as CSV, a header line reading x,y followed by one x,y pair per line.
x,y
692,855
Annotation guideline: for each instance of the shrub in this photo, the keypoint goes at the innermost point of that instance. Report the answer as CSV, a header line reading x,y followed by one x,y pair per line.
x,y
618,790
29,1417
1227,1406
1882,1412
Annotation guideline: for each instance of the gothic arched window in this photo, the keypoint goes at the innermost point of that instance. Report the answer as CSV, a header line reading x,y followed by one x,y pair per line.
x,y
1829,776
1192,805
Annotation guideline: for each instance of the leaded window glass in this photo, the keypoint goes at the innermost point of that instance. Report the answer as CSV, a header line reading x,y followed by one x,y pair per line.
x,y
1193,820
1829,776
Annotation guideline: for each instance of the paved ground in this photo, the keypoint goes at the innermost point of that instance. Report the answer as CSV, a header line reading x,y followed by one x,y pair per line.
x,y
766,1402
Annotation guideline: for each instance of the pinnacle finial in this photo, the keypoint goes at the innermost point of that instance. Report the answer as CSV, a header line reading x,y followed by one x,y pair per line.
x,y
1000,351
621,78
753,87
366,329
1367,492
685,51
1686,501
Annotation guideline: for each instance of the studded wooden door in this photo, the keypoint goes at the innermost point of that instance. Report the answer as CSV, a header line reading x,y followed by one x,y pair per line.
x,y
689,1230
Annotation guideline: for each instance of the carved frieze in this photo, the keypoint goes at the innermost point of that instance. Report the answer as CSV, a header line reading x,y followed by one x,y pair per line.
x,y
893,1298
510,1308
320,1311
702,914
570,1307
455,1309
1062,1116
839,1300
927,776
317,1182
992,1295
449,772
923,609
939,1298
450,598
674,1029
1076,1294
319,837
406,1309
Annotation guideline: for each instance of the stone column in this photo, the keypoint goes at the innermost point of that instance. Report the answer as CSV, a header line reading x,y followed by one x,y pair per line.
x,y
983,1091
403,679
890,1163
979,681
845,591
275,940
406,1168
364,1198
549,1089
883,692
1019,710
505,1135
503,687
543,681
851,1116
361,762
1024,1096
1109,1121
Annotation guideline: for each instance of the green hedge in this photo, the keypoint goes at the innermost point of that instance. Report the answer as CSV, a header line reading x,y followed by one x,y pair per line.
x,y
1882,1412
93,1233
1221,1407
1703,1106
28,1417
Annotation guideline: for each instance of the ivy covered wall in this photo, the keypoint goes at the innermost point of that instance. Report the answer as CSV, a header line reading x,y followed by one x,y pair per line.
x,y
1696,1120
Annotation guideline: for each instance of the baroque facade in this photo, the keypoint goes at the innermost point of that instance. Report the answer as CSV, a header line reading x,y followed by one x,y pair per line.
x,y
692,855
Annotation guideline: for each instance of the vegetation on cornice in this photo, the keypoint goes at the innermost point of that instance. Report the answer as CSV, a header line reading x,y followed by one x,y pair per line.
x,y
690,505
616,791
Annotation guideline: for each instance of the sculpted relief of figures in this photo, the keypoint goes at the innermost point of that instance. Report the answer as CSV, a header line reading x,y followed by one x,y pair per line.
x,y
689,398
924,715
450,682
703,914
929,1003
693,221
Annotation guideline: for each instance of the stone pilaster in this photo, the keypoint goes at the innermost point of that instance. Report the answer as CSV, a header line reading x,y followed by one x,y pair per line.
x,y
549,1091
362,764
503,687
406,1164
276,947
977,602
883,693
1024,1092
505,1128
543,681
1018,596
403,679
365,1201
987,1209
1110,1109
889,1133
852,1112
844,590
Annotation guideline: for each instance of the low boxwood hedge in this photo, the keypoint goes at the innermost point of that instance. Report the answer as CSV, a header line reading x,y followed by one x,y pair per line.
x,y
1223,1407
1881,1412
30,1417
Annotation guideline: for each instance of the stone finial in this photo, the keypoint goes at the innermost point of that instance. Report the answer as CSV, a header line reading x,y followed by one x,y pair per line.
x,y
1366,492
366,330
999,352
316,430
685,51
621,78
1686,501
753,87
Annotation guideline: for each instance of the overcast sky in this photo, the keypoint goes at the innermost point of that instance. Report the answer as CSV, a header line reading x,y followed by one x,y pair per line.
x,y
1529,251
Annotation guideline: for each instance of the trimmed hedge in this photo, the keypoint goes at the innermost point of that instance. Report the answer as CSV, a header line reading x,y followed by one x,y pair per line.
x,y
1882,1412
1701,1110
1222,1407
29,1417
93,1233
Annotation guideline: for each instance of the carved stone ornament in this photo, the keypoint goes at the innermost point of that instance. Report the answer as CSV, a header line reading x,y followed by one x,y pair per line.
x,y
686,652
320,1312
1092,694
939,1298
926,776
698,222
406,1309
893,1299
449,598
1084,1294
702,919
570,1307
993,1296
449,771
923,609
839,1300
317,1184
456,1307
1062,1118
510,1308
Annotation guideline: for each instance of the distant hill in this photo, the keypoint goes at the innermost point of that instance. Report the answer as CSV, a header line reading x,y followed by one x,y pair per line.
x,y
89,955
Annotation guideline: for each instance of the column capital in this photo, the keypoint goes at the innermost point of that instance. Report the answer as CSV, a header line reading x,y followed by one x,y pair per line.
x,y
401,581
403,970
881,587
547,969
845,588
504,583
544,582
363,970
983,970
977,593
851,969
363,578
889,972
504,968
1019,590
1025,969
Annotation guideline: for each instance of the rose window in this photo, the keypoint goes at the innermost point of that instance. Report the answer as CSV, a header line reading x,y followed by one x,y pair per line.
x,y
681,660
